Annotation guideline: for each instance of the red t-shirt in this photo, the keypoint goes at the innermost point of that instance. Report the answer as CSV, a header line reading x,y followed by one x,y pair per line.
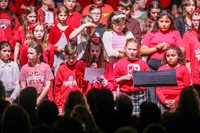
x,y
74,19
152,39
124,67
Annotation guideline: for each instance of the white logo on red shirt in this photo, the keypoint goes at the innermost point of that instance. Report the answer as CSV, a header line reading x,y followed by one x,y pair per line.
x,y
4,23
133,67
197,53
35,77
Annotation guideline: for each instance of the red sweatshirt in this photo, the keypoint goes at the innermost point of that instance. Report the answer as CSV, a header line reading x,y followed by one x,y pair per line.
x,y
65,82
86,86
173,92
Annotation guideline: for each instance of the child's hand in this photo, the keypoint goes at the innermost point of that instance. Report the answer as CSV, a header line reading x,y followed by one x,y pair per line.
x,y
60,48
9,99
89,24
170,103
103,80
23,7
127,77
162,46
93,65
120,50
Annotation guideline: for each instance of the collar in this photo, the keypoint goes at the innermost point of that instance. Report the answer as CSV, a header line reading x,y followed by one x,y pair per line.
x,y
2,64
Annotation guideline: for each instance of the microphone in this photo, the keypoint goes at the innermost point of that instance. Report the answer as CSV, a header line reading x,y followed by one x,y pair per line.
x,y
94,59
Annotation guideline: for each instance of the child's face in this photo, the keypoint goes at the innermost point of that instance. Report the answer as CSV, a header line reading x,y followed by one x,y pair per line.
x,y
96,14
118,27
3,4
48,2
38,32
164,23
32,55
195,21
141,3
70,4
172,57
95,51
71,59
125,10
131,51
89,31
62,17
154,13
190,7
5,53
31,17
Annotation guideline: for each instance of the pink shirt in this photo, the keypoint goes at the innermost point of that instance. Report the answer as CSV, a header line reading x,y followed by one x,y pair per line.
x,y
118,41
152,39
172,92
36,76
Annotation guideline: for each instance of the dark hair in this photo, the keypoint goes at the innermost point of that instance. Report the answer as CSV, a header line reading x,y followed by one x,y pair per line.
x,y
161,14
92,7
116,17
125,3
70,49
87,57
38,49
155,4
2,90
12,15
4,44
181,57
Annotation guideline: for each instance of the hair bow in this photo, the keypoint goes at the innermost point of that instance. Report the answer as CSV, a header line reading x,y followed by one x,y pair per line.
x,y
196,10
32,25
95,39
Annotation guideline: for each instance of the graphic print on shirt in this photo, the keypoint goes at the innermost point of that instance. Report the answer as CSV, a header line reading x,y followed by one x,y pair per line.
x,y
70,82
197,53
4,23
133,67
35,77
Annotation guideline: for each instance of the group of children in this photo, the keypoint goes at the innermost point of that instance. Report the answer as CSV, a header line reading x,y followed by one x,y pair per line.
x,y
53,52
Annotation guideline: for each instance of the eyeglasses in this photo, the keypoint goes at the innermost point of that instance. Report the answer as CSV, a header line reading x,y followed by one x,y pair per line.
x,y
95,13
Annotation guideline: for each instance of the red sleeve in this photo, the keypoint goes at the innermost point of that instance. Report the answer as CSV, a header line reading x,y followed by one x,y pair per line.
x,y
196,76
68,31
41,16
51,55
57,87
2,35
147,39
52,38
188,50
109,75
179,40
80,69
15,31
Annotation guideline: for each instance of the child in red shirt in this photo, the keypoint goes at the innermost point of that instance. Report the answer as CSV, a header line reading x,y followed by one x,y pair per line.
x,y
94,58
38,34
125,67
65,81
169,95
45,14
23,33
73,19
9,23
